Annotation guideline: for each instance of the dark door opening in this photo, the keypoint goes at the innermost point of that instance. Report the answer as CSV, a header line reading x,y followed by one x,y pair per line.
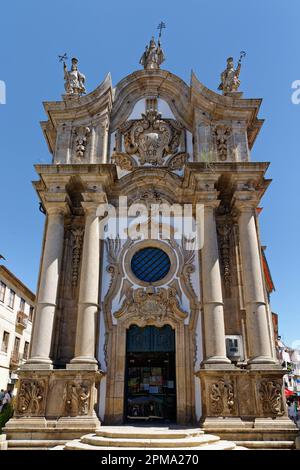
x,y
150,381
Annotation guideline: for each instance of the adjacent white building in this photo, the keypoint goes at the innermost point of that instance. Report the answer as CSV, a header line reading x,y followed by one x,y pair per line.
x,y
16,314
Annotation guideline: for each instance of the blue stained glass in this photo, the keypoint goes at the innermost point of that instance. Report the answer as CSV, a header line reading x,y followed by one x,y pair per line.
x,y
150,264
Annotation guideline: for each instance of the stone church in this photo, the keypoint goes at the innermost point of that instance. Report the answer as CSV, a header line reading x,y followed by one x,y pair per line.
x,y
151,329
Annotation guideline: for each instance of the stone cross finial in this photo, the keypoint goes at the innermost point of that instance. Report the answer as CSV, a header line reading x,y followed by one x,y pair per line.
x,y
230,76
74,80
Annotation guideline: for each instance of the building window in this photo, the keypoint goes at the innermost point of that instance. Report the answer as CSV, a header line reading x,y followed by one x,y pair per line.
x,y
22,305
150,264
2,291
11,299
16,345
5,340
31,313
26,350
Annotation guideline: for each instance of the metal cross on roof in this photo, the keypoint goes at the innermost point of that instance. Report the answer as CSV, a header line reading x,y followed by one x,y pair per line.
x,y
63,57
160,27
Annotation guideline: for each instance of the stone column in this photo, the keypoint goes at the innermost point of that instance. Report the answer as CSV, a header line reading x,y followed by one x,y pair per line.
x,y
212,291
259,340
88,291
48,285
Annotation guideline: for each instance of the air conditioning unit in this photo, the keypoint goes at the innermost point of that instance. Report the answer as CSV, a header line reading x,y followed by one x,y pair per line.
x,y
234,348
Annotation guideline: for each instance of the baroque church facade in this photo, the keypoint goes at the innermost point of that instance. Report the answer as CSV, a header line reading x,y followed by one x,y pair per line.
x,y
131,329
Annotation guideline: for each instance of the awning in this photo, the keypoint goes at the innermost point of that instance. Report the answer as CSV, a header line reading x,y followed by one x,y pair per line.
x,y
288,393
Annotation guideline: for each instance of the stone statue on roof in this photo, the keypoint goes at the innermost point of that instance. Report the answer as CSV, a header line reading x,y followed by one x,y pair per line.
x,y
230,76
153,56
74,80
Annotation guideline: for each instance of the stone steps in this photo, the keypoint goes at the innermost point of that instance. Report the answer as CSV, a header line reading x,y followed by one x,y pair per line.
x,y
3,442
267,445
142,438
137,432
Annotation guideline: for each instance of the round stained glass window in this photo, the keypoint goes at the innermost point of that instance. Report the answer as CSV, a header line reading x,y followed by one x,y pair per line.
x,y
150,264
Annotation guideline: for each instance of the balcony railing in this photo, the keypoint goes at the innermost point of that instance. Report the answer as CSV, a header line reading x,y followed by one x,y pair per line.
x,y
22,319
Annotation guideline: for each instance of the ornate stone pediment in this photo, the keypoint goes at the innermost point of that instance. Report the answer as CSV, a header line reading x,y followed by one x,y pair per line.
x,y
151,306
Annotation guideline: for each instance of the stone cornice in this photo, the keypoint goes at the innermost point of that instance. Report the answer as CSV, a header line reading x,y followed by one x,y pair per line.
x,y
14,281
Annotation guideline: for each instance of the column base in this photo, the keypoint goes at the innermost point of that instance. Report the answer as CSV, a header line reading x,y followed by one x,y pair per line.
x,y
49,432
263,360
84,360
81,366
264,366
268,432
36,366
217,360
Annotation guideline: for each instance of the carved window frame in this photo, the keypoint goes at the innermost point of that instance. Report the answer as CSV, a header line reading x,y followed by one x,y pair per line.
x,y
151,244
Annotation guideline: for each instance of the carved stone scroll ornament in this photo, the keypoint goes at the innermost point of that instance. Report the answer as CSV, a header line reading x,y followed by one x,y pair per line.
x,y
221,397
151,138
77,241
178,161
188,253
81,140
222,134
270,393
113,247
151,306
77,398
31,397
124,161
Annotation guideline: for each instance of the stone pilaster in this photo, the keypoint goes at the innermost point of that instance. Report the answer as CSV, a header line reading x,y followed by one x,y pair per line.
x,y
259,341
48,285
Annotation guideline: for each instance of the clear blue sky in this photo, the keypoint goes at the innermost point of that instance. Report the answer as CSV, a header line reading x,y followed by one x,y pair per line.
x,y
110,36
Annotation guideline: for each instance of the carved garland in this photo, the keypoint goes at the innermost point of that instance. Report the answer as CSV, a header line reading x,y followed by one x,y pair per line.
x,y
222,134
224,232
81,140
77,242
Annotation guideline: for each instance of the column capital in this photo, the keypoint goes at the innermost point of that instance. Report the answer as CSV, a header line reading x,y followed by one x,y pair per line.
x,y
56,208
91,201
212,204
245,201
